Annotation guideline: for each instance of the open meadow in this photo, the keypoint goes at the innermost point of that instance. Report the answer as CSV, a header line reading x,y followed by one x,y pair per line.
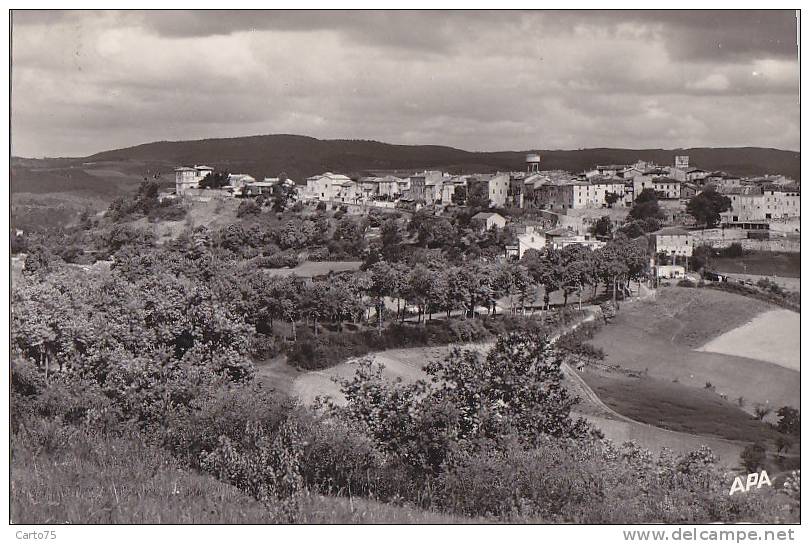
x,y
660,337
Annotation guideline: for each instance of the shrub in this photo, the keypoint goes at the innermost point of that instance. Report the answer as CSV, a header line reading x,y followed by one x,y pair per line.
x,y
753,456
341,460
264,346
167,211
248,207
263,465
732,251
468,330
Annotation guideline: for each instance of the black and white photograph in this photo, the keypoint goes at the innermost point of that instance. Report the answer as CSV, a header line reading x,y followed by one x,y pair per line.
x,y
318,267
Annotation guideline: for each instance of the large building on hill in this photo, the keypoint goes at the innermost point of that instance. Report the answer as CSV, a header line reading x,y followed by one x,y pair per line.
x,y
753,206
187,177
329,186
423,185
665,187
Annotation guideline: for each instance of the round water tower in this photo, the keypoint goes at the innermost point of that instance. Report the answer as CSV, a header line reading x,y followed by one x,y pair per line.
x,y
532,163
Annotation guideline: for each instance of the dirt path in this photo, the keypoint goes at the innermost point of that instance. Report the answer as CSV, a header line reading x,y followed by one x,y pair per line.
x,y
406,364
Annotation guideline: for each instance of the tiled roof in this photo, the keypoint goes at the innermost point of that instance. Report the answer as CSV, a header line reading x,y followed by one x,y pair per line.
x,y
559,231
671,231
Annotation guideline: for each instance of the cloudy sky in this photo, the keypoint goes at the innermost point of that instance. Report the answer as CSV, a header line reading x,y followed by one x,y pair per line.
x,y
84,82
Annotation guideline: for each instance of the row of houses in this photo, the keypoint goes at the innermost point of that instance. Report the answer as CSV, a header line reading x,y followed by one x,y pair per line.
x,y
754,201
427,187
188,178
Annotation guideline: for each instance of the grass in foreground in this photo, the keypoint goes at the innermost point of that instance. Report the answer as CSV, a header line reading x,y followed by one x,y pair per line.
x,y
123,481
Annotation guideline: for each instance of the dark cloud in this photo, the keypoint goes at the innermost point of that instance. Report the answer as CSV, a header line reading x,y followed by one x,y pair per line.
x,y
477,80
727,34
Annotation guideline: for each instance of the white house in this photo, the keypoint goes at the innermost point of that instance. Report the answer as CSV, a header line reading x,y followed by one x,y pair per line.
x,y
326,186
186,177
674,242
488,220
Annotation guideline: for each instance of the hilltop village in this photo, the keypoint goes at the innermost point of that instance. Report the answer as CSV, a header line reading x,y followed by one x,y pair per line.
x,y
554,208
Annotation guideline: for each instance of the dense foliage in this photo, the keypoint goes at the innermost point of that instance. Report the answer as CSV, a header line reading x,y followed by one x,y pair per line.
x,y
152,350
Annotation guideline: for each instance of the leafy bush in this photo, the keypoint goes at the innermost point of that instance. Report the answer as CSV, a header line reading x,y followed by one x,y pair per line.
x,y
753,456
167,211
248,207
262,465
732,251
468,330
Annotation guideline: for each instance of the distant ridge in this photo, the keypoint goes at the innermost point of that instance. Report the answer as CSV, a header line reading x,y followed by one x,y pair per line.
x,y
303,156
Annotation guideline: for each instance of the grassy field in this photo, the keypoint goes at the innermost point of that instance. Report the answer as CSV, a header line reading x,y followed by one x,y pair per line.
x,y
762,263
115,481
660,336
677,407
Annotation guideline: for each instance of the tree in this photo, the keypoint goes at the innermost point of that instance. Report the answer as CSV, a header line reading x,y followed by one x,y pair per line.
x,y
646,206
478,195
380,287
611,199
783,444
545,268
761,412
514,393
511,279
214,180
612,267
574,270
753,456
517,388
707,206
789,420
283,196
603,228
391,240
459,196
435,232
702,257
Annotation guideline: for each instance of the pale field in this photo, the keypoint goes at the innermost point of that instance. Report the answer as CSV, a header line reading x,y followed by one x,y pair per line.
x,y
773,336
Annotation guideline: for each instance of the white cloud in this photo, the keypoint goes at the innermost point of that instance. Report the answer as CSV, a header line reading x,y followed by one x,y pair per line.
x,y
483,82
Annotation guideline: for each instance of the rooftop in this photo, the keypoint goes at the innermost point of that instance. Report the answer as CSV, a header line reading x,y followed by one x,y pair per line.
x,y
671,231
559,231
486,215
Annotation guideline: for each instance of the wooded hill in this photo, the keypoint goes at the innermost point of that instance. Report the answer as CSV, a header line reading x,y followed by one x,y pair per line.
x,y
302,156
